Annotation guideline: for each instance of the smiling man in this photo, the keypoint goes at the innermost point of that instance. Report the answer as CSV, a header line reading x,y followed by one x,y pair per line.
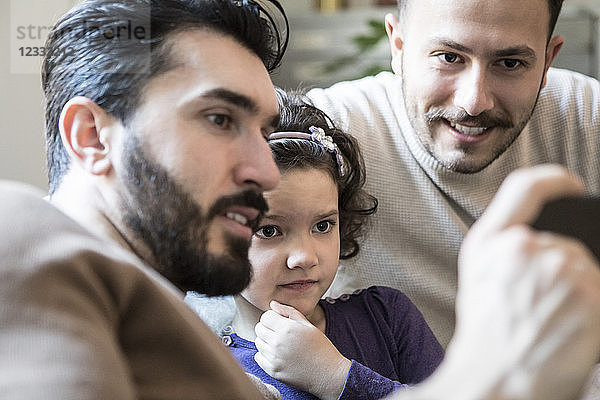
x,y
481,67
471,99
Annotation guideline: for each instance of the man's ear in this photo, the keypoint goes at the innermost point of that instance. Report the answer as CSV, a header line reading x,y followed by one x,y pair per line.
x,y
83,129
554,46
395,38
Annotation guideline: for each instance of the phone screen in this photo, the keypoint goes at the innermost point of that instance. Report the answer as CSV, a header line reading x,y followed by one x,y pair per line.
x,y
578,217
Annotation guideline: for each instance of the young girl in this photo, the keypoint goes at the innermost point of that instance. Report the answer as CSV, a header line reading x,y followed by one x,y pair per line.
x,y
361,345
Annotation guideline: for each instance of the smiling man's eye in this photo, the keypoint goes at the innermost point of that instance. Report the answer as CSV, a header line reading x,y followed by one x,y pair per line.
x,y
510,63
450,58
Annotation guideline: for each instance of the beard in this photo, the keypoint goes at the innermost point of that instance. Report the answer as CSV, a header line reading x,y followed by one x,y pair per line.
x,y
463,158
161,214
464,165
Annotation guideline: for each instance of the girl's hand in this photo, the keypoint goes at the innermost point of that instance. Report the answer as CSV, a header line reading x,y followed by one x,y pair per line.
x,y
295,352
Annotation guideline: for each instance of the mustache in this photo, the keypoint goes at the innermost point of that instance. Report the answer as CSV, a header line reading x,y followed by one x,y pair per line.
x,y
484,119
247,198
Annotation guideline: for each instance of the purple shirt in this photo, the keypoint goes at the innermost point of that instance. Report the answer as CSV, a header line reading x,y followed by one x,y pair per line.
x,y
380,330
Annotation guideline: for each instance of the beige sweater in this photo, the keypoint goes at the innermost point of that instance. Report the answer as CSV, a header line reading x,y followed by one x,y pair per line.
x,y
82,319
425,209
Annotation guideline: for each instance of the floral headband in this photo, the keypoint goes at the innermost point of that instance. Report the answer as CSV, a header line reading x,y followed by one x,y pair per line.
x,y
316,135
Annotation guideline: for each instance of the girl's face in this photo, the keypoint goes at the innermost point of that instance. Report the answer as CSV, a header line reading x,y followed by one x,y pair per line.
x,y
295,252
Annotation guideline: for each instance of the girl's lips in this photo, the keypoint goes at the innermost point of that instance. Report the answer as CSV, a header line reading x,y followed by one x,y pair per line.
x,y
299,285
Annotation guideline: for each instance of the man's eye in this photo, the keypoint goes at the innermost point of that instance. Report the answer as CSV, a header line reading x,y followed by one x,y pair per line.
x,y
510,63
267,231
449,58
222,120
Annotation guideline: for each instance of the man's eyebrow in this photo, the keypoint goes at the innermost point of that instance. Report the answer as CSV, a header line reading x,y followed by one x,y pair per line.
x,y
233,98
241,101
440,41
521,50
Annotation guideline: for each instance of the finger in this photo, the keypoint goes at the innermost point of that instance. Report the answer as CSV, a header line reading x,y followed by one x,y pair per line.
x,y
523,193
263,362
288,311
273,320
265,348
263,332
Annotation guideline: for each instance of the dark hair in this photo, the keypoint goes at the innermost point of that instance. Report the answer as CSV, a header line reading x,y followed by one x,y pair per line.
x,y
554,6
354,204
109,50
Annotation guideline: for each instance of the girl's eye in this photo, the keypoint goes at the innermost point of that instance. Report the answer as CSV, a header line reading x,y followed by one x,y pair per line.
x,y
267,231
221,120
323,226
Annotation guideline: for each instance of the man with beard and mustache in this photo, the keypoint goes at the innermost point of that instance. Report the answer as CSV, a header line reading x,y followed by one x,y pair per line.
x,y
472,98
157,114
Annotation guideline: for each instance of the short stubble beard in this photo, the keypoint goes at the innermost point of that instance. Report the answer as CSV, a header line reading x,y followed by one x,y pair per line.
x,y
423,126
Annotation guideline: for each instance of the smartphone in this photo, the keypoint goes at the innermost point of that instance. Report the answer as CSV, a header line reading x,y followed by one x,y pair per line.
x,y
578,217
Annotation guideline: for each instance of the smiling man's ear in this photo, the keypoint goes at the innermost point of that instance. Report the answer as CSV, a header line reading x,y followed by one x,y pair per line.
x,y
85,130
552,49
395,39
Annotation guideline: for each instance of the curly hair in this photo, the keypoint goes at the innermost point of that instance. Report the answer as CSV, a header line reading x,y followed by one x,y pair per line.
x,y
354,204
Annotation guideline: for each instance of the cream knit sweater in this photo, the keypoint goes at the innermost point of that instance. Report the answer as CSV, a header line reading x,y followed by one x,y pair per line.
x,y
425,209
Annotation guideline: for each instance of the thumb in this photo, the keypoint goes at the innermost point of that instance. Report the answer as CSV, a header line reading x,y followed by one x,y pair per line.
x,y
522,195
288,312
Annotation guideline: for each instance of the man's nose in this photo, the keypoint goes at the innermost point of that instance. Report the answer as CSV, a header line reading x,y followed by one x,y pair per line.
x,y
256,165
473,91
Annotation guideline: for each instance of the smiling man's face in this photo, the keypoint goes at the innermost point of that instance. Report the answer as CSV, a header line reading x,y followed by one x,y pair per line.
x,y
471,74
